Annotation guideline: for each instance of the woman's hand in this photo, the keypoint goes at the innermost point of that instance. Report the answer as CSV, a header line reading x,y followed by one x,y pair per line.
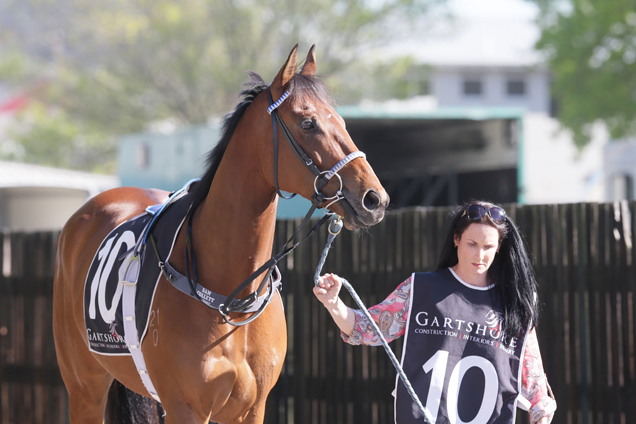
x,y
328,289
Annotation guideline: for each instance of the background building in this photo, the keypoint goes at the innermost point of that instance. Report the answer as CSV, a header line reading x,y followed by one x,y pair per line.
x,y
501,86
484,132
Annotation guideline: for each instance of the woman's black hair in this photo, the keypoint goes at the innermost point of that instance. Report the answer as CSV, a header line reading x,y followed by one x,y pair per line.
x,y
511,270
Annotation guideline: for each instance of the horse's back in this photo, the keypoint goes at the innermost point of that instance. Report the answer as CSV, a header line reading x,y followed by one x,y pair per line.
x,y
83,233
96,218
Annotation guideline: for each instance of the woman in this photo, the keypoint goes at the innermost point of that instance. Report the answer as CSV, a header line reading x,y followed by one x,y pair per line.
x,y
471,350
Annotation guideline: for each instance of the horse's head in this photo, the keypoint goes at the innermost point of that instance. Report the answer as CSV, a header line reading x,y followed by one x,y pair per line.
x,y
309,117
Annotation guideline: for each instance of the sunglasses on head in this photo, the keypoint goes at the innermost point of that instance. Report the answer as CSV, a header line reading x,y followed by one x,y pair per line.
x,y
476,212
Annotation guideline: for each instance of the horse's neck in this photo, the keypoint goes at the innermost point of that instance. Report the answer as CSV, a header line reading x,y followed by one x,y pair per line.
x,y
233,229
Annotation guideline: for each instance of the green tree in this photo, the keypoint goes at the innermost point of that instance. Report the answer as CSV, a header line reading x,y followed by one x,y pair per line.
x,y
590,46
382,79
114,66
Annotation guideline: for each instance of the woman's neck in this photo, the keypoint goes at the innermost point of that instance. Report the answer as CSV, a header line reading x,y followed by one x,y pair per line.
x,y
478,280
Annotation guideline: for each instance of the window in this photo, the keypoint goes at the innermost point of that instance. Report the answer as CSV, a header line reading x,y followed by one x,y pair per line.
x,y
472,87
516,87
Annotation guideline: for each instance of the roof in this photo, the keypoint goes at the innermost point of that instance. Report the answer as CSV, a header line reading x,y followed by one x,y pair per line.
x,y
16,174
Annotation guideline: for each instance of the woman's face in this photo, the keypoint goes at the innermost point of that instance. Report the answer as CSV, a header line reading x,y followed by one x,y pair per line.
x,y
476,249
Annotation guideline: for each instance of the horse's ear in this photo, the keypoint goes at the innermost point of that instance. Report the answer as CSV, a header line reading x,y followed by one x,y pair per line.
x,y
309,68
289,68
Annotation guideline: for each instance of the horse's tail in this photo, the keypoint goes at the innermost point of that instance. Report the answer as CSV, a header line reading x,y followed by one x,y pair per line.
x,y
127,407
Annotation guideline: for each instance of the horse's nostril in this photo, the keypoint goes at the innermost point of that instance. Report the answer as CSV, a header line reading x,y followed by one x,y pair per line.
x,y
371,200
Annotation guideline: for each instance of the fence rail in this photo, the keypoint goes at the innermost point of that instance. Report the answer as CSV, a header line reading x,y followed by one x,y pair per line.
x,y
583,255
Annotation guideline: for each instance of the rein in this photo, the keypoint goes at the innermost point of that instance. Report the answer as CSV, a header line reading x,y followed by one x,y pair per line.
x,y
322,178
334,229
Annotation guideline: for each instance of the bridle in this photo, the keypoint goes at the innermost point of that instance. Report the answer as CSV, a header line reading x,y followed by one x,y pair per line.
x,y
322,178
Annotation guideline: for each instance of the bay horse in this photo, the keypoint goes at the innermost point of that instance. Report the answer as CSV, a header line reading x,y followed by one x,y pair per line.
x,y
202,367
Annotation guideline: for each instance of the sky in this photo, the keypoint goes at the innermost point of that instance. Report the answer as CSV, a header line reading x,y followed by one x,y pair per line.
x,y
484,32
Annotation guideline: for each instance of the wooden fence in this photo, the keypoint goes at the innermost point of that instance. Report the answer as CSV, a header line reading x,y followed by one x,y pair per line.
x,y
582,253
31,389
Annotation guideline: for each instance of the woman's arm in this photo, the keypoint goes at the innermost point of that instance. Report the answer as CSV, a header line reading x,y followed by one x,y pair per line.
x,y
534,385
327,291
390,315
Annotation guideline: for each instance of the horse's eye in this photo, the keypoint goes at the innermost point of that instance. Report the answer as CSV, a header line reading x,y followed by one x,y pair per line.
x,y
307,125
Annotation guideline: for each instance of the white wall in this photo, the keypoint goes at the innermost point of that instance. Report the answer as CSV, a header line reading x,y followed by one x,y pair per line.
x,y
447,87
554,170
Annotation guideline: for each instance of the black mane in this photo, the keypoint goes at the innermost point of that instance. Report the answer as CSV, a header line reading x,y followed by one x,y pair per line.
x,y
253,88
300,87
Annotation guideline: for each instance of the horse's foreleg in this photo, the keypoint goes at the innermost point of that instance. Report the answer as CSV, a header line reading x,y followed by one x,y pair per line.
x,y
256,414
181,413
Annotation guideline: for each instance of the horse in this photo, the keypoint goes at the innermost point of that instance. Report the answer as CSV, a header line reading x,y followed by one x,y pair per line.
x,y
202,364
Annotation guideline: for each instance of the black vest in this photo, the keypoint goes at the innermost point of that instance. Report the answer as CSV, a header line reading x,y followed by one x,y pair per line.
x,y
463,369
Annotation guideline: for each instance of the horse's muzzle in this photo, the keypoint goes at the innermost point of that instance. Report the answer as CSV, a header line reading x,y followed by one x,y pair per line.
x,y
365,212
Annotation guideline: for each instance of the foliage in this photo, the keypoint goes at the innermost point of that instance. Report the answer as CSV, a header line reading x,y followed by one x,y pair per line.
x,y
591,49
51,137
116,66
400,78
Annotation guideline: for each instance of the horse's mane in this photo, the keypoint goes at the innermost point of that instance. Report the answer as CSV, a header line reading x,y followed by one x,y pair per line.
x,y
300,87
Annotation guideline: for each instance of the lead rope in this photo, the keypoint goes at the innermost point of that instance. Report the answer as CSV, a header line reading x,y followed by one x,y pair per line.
x,y
334,229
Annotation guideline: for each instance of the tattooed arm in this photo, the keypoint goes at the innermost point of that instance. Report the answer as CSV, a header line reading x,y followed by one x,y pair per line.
x,y
534,385
390,315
